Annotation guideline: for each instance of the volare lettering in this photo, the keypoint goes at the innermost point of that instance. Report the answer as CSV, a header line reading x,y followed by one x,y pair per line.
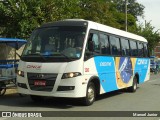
x,y
34,66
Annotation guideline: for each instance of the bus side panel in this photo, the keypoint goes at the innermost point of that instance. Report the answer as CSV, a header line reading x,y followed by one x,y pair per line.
x,y
142,68
118,72
124,71
127,67
106,71
115,72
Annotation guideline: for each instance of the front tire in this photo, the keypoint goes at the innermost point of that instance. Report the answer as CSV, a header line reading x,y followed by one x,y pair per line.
x,y
90,94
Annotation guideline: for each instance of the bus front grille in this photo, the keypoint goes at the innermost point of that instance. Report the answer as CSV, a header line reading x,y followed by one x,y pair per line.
x,y
41,81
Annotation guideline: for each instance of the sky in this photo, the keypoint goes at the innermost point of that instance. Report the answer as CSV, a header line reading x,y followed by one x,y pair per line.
x,y
151,12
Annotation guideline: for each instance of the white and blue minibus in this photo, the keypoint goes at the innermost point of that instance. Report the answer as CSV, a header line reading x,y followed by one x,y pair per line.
x,y
77,58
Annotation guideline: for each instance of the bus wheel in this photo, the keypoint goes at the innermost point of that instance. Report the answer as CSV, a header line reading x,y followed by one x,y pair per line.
x,y
133,88
90,94
36,98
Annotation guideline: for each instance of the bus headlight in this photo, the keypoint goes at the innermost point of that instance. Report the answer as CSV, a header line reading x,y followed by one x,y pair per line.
x,y
20,73
70,75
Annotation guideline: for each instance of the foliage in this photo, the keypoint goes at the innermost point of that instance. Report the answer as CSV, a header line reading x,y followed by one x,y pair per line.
x,y
148,32
133,7
20,17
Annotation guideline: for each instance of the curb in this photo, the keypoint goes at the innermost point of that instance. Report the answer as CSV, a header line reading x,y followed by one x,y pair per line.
x,y
11,91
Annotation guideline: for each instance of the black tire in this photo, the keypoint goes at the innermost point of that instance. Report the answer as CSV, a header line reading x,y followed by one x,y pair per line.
x,y
2,89
22,95
90,94
36,98
133,88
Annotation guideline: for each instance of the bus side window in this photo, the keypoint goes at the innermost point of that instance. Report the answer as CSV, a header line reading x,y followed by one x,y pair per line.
x,y
94,38
125,47
145,50
115,45
134,50
140,49
105,49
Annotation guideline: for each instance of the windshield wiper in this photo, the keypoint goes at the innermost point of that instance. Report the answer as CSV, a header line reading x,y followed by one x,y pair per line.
x,y
37,54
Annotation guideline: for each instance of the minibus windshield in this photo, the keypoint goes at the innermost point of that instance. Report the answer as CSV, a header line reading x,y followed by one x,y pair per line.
x,y
59,43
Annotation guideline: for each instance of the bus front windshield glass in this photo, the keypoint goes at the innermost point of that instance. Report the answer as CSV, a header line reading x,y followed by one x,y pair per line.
x,y
55,44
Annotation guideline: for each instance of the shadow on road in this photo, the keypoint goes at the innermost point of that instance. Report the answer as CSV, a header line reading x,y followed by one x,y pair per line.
x,y
61,103
156,84
112,94
16,100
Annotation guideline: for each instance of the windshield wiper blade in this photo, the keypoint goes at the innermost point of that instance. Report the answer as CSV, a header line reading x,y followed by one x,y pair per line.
x,y
37,54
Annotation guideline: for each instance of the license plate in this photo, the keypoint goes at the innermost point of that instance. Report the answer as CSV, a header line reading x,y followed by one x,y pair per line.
x,y
39,83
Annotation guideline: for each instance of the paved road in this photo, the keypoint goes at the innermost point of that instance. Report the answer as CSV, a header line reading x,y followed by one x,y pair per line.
x,y
146,98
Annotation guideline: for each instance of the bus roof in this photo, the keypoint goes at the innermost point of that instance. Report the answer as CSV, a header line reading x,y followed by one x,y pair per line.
x,y
96,26
115,31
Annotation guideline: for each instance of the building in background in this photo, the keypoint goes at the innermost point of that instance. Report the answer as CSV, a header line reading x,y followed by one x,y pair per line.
x,y
157,50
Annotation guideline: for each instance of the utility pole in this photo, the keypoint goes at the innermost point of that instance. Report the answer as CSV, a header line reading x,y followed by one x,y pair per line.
x,y
126,2
145,23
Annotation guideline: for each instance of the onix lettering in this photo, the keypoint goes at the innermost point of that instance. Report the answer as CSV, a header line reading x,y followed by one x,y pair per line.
x,y
142,62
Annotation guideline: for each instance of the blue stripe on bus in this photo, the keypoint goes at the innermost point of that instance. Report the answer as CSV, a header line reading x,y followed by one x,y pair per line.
x,y
106,71
141,67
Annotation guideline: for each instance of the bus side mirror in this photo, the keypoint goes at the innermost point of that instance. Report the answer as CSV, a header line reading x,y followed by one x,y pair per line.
x,y
91,46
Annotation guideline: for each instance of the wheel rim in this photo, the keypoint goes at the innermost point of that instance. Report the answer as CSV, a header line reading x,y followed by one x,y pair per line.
x,y
91,94
135,84
2,91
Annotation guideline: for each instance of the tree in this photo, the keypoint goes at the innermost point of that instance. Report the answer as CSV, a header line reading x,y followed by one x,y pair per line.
x,y
20,17
66,9
148,32
98,11
134,8
117,8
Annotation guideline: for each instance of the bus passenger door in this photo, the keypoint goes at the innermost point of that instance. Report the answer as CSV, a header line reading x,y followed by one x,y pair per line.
x,y
101,65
